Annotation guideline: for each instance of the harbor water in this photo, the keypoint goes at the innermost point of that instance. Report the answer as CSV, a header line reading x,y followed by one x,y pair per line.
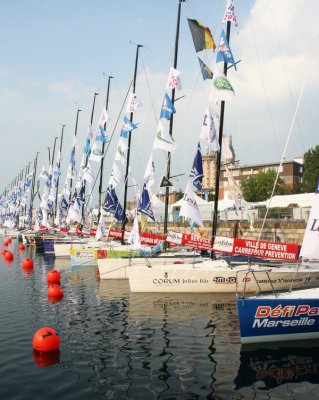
x,y
121,345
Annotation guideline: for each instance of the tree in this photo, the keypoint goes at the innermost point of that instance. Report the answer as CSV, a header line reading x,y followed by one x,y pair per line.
x,y
311,169
259,187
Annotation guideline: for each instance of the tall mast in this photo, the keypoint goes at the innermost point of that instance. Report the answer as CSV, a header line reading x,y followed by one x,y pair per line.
x,y
57,183
218,161
103,146
168,169
33,183
138,46
73,149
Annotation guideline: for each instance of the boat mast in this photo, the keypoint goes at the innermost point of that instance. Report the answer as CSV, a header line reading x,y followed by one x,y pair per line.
x,y
103,146
32,191
168,169
57,183
218,161
138,46
73,150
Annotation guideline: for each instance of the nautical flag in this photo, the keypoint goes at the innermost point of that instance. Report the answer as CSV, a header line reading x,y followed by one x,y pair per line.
x,y
72,159
197,169
112,204
163,140
88,173
90,132
100,231
133,103
189,208
173,81
222,89
202,36
149,178
96,153
224,52
208,130
144,204
104,117
101,135
64,205
167,108
116,175
165,182
127,127
230,13
81,195
134,237
206,72
87,147
120,151
228,150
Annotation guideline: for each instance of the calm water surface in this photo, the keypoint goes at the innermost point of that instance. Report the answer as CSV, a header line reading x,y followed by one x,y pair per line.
x,y
120,345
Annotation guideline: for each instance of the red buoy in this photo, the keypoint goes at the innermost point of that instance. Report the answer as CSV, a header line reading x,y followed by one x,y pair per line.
x,y
178,262
9,256
9,240
46,358
3,252
54,276
46,339
27,264
21,247
5,243
55,291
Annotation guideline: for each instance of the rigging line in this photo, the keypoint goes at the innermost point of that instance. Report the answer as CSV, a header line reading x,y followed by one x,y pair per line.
x,y
286,145
263,83
149,91
286,74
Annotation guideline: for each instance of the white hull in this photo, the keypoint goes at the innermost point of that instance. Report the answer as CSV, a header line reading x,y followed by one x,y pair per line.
x,y
117,268
217,277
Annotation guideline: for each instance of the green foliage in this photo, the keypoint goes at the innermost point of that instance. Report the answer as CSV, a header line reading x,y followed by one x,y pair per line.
x,y
260,186
311,169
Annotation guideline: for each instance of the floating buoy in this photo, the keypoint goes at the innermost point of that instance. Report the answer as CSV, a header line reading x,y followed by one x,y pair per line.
x,y
27,264
9,240
55,291
9,256
46,358
3,252
46,339
5,243
21,247
54,276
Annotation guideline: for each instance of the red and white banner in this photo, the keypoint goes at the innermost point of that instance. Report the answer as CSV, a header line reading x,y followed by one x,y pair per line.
x,y
255,248
188,240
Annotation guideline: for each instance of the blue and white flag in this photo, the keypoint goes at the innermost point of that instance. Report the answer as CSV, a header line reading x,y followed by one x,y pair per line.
x,y
81,195
64,205
206,72
112,204
167,108
197,169
144,204
101,135
224,52
87,147
127,127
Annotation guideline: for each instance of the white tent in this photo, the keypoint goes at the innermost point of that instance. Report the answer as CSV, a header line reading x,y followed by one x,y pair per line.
x,y
297,200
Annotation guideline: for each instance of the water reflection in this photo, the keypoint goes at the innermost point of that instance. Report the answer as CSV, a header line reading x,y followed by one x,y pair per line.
x,y
267,367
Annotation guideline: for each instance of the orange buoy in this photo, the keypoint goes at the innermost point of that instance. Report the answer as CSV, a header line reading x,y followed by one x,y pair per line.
x,y
3,252
5,243
21,247
27,264
9,256
54,276
55,291
46,358
46,339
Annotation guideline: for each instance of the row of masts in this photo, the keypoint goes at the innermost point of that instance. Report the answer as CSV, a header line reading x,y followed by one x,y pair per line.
x,y
168,167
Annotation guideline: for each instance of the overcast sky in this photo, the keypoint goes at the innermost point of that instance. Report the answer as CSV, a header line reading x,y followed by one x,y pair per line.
x,y
54,54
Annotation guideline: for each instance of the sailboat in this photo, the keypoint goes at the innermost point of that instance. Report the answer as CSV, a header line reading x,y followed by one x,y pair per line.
x,y
216,275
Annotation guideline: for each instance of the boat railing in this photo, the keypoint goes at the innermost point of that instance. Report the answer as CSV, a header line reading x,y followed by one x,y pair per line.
x,y
251,272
